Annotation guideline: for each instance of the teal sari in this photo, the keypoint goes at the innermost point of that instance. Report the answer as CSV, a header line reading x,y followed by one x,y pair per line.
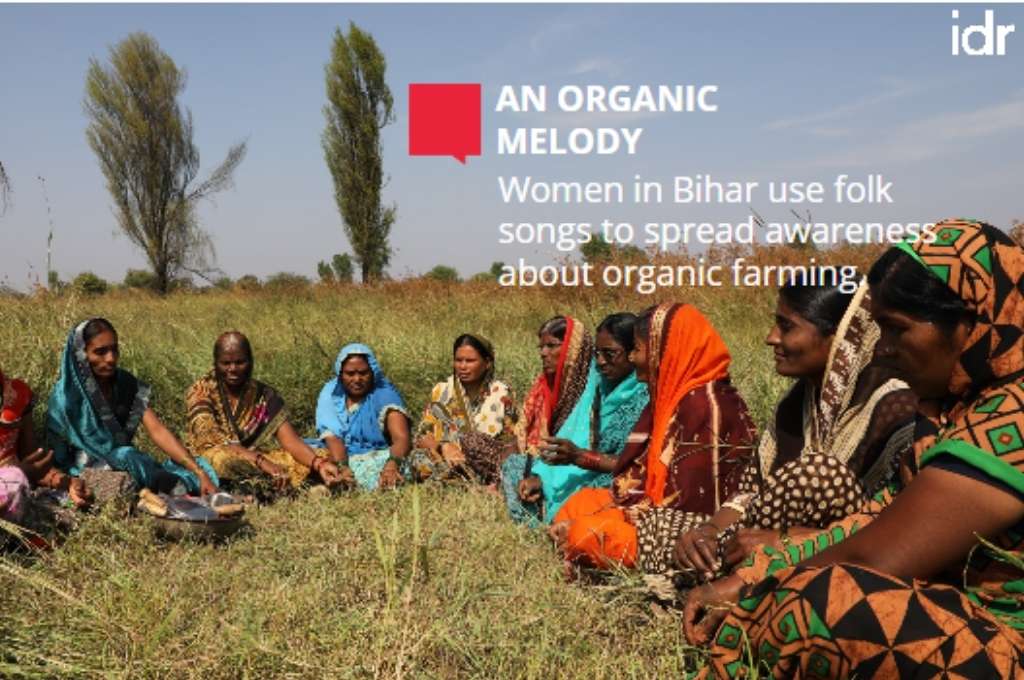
x,y
615,410
85,431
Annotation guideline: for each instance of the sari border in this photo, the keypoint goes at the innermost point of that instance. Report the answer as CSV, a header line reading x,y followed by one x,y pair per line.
x,y
985,461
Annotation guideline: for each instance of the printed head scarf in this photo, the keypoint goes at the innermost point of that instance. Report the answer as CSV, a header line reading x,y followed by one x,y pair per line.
x,y
548,405
985,426
362,429
984,267
459,392
684,351
837,420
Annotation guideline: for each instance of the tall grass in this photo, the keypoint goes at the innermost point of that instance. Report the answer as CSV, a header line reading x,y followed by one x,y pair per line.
x,y
422,582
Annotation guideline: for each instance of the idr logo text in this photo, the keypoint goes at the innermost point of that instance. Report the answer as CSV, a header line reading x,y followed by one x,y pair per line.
x,y
981,40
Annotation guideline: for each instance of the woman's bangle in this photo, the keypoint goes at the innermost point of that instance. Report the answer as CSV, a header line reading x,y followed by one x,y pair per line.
x,y
588,460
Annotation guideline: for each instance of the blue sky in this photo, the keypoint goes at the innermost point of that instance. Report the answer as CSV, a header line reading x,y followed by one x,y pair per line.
x,y
806,92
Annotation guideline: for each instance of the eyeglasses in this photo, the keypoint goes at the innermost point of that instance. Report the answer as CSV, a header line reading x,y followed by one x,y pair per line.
x,y
608,355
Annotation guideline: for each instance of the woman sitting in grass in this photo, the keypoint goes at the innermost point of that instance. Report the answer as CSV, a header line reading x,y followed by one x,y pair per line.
x,y
241,425
566,351
22,465
835,441
362,421
684,454
930,584
469,424
585,450
94,411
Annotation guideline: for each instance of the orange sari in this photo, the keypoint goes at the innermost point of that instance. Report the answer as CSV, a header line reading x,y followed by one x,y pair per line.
x,y
685,452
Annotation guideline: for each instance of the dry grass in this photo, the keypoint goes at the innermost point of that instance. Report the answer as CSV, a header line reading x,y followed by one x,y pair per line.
x,y
423,582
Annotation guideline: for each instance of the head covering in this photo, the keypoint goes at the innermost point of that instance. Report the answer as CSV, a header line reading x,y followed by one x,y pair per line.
x,y
471,419
548,404
84,429
685,352
837,421
984,424
362,429
16,402
984,267
79,418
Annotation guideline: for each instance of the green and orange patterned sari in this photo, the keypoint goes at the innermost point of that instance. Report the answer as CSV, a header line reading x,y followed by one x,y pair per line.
x,y
845,620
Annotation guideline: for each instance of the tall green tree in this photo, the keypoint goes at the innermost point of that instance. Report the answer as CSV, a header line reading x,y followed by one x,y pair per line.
x,y
142,138
359,105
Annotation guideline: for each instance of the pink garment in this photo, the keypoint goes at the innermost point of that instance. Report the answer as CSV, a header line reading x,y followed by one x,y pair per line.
x,y
13,493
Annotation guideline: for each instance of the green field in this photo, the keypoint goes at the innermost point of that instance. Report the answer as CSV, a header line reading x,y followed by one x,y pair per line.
x,y
422,582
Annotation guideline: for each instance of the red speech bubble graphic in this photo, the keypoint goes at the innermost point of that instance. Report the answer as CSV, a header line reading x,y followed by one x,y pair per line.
x,y
444,120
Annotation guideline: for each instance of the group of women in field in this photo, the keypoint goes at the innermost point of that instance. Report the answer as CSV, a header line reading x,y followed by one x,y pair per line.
x,y
873,529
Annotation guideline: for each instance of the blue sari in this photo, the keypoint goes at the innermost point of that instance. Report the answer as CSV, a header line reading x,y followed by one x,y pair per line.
x,y
617,410
362,426
86,431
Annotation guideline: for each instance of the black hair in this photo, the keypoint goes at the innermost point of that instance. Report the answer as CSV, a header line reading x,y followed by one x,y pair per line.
x,y
237,337
467,340
822,306
95,327
900,282
620,326
554,326
642,325
356,355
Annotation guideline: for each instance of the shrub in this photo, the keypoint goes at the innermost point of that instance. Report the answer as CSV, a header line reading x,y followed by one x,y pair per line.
x,y
343,267
140,278
283,280
249,282
444,274
90,284
324,271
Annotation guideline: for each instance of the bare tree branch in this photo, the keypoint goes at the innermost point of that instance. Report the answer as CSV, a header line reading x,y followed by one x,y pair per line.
x,y
5,190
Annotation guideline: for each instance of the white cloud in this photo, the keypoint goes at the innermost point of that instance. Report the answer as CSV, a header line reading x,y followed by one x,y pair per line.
x,y
933,136
598,65
896,90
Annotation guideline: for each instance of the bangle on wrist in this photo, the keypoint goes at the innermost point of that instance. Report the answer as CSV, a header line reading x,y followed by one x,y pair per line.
x,y
588,460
